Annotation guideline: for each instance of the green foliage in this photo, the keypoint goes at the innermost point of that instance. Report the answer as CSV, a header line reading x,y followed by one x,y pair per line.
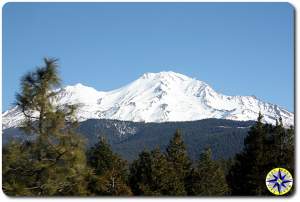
x,y
54,163
152,175
178,157
15,158
140,173
266,147
208,179
110,171
282,146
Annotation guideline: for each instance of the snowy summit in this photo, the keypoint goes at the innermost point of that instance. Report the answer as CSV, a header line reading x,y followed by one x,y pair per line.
x,y
161,97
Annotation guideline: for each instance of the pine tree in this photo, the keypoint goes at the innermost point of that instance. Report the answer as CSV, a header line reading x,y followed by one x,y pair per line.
x,y
246,177
110,171
266,147
164,178
140,173
152,175
208,179
282,148
14,158
54,163
178,156
289,150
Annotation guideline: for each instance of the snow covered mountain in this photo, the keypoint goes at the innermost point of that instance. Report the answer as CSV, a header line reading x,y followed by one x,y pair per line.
x,y
161,97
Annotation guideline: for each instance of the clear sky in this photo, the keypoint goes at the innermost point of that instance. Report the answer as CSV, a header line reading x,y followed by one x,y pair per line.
x,y
237,48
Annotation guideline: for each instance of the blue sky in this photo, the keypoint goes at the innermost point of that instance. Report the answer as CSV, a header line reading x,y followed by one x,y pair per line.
x,y
237,48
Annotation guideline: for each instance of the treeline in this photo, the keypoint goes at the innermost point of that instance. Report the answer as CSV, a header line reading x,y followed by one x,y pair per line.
x,y
55,162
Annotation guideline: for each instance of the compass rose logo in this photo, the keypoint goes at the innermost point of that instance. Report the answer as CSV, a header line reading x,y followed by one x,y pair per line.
x,y
279,181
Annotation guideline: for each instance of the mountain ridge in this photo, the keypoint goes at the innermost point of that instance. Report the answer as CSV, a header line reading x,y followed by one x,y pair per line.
x,y
160,97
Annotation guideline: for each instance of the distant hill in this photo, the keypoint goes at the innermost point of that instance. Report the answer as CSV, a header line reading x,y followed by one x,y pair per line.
x,y
127,138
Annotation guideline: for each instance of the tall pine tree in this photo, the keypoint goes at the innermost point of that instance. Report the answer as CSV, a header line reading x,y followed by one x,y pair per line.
x,y
110,171
177,155
208,179
152,175
266,147
54,162
246,177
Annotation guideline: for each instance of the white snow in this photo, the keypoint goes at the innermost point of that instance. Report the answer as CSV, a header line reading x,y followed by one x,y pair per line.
x,y
161,97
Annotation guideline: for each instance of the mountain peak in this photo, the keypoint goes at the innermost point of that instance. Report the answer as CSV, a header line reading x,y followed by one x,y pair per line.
x,y
161,97
79,87
164,74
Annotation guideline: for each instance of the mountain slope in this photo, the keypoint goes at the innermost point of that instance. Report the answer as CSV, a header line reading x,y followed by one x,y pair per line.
x,y
224,137
161,97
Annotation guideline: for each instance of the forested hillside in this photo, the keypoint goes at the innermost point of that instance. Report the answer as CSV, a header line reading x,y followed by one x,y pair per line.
x,y
128,139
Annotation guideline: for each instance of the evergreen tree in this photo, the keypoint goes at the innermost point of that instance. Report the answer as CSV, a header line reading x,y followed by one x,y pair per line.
x,y
140,173
178,156
54,163
14,158
153,175
289,150
164,177
208,179
110,171
266,147
282,149
246,177
279,148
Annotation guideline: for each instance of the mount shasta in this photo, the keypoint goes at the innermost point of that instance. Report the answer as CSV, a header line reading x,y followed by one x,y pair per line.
x,y
160,97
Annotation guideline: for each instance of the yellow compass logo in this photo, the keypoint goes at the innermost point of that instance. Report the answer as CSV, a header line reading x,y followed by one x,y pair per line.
x,y
279,181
